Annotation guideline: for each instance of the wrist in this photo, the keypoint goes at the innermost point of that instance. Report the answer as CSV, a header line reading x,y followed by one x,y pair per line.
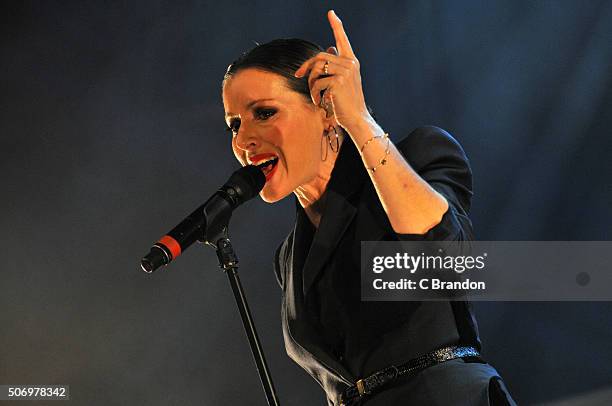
x,y
363,128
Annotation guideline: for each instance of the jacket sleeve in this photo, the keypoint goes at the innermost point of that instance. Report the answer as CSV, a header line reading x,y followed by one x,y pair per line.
x,y
439,159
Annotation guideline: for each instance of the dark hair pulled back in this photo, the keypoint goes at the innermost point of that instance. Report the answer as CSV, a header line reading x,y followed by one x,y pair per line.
x,y
281,56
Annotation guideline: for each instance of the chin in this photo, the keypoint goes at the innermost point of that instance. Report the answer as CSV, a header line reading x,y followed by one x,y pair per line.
x,y
269,197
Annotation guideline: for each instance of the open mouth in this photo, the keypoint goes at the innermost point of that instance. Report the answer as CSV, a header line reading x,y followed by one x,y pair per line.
x,y
268,166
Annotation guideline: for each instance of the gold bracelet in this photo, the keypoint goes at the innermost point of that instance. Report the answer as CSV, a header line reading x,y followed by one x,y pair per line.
x,y
385,135
384,158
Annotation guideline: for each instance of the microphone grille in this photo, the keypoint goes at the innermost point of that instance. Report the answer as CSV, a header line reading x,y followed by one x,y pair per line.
x,y
247,182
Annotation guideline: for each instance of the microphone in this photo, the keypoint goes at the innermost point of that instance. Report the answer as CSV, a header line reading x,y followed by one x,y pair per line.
x,y
208,220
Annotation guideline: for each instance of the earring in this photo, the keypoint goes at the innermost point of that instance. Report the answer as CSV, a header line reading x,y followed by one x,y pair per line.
x,y
326,140
336,139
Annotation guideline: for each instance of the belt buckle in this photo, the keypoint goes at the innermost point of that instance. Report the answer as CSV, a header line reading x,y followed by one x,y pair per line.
x,y
361,387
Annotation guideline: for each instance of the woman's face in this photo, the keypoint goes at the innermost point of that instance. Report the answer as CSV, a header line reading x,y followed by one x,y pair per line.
x,y
272,123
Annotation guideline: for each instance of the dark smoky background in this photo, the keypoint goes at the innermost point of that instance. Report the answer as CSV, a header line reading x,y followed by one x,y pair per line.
x,y
112,131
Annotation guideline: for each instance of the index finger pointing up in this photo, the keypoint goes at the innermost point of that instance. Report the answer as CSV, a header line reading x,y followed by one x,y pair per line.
x,y
342,42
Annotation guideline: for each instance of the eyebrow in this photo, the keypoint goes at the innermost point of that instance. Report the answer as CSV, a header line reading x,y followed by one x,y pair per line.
x,y
248,106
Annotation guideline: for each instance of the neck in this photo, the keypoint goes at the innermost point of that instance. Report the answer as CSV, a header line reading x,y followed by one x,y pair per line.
x,y
311,195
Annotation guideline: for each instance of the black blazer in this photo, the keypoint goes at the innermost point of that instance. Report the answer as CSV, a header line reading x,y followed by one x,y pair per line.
x,y
327,330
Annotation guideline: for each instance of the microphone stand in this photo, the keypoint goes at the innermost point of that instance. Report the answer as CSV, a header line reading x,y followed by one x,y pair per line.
x,y
228,262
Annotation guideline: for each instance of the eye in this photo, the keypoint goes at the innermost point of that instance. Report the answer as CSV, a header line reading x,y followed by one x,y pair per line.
x,y
260,114
264,114
233,126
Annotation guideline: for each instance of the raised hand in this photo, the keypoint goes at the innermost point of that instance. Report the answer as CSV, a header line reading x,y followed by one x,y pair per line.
x,y
337,73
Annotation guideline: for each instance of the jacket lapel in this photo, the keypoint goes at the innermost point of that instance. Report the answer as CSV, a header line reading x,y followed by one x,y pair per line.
x,y
338,215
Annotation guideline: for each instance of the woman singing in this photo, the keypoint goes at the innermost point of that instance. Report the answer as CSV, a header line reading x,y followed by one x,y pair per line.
x,y
299,114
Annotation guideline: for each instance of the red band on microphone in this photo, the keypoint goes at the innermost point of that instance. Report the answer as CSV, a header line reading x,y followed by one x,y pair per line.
x,y
172,245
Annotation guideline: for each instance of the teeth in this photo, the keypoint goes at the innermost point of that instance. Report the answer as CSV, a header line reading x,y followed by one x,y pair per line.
x,y
266,162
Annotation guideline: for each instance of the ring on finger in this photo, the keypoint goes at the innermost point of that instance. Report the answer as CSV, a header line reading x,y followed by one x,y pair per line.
x,y
325,68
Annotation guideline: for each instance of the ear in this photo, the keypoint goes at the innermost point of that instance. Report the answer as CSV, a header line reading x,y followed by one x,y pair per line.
x,y
327,111
329,120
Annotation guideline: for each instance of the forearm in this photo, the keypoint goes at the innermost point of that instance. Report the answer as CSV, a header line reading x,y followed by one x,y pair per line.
x,y
411,204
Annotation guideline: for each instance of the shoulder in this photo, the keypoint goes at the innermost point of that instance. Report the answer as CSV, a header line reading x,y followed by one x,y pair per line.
x,y
427,144
428,134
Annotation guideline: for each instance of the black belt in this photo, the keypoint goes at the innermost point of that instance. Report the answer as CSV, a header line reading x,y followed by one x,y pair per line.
x,y
371,384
